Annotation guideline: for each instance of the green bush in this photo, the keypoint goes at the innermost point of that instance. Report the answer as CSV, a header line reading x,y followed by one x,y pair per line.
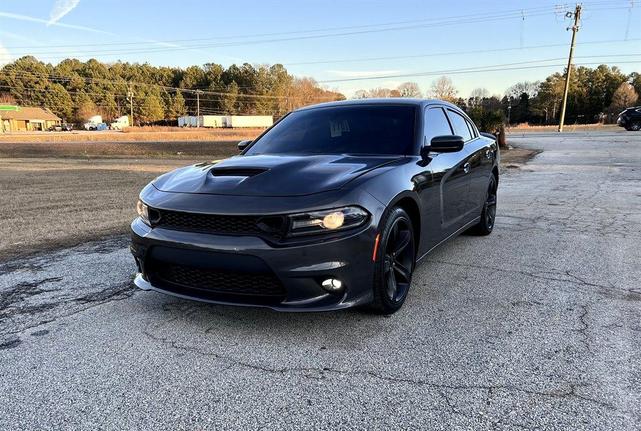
x,y
487,121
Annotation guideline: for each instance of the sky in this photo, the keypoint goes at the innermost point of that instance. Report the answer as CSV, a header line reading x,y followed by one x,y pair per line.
x,y
342,44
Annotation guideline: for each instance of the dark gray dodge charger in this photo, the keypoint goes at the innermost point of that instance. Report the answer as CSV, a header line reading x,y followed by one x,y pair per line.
x,y
331,207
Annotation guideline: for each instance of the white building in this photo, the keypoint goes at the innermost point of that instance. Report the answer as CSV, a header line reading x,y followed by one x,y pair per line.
x,y
263,121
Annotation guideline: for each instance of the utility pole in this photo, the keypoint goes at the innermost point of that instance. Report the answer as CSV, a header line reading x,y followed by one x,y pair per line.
x,y
575,28
198,93
130,98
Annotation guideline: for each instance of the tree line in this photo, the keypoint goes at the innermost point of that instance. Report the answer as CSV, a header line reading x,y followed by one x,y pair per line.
x,y
75,90
596,95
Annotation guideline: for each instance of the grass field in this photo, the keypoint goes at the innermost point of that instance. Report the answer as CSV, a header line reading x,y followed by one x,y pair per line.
x,y
135,134
172,149
62,194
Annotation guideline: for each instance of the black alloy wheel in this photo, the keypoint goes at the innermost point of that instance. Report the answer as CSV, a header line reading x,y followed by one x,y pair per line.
x,y
488,214
395,262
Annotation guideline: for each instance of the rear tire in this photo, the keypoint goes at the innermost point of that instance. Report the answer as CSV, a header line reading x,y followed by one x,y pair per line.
x,y
395,259
488,214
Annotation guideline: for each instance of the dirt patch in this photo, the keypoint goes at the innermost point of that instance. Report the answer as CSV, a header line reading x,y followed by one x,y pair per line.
x,y
210,149
516,156
48,203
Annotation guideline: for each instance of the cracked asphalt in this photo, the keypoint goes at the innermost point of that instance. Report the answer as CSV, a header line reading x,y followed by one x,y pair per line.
x,y
537,326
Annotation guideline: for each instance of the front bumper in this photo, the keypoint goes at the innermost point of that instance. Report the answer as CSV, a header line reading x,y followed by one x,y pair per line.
x,y
286,278
622,121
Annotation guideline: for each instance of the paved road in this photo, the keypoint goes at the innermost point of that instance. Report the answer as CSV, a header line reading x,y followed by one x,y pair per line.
x,y
536,326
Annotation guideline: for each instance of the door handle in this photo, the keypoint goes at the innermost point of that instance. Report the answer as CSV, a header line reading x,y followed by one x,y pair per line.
x,y
467,168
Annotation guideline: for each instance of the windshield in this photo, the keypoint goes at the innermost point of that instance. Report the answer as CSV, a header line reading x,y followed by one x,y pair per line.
x,y
341,130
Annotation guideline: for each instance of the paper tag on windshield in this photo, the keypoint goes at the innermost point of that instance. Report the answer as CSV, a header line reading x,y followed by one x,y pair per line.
x,y
338,127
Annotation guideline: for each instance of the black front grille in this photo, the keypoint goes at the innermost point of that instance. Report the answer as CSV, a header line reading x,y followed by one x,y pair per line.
x,y
219,282
208,223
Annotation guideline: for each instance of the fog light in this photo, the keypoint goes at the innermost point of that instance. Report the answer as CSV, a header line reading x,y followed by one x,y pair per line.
x,y
332,284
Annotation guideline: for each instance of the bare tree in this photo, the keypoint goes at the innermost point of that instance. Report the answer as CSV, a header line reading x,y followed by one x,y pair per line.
x,y
477,95
409,89
443,89
527,87
624,97
376,92
361,94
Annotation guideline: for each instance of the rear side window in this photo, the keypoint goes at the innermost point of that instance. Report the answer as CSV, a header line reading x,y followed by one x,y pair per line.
x,y
459,125
436,124
472,128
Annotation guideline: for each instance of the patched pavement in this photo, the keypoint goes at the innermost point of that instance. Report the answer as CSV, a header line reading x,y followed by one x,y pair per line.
x,y
535,326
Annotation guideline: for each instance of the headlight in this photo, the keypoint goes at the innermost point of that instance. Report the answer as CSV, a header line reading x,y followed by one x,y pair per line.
x,y
327,220
143,211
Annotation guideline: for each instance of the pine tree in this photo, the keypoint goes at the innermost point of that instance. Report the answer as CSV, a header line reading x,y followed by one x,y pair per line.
x,y
151,109
229,100
177,107
58,101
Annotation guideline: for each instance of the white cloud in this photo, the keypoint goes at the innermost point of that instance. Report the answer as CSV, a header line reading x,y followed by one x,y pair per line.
x,y
55,24
362,73
5,57
61,8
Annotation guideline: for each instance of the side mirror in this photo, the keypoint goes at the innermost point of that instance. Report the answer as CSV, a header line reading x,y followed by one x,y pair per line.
x,y
446,144
243,144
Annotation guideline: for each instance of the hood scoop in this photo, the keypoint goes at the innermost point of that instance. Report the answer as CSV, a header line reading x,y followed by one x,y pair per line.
x,y
237,171
271,175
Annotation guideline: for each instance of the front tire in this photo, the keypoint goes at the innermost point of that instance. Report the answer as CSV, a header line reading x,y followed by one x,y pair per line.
x,y
635,127
395,259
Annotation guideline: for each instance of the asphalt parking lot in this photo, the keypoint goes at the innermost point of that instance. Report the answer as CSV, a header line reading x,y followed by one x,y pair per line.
x,y
537,326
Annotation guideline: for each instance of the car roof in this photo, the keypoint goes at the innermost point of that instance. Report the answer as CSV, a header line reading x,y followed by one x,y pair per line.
x,y
379,101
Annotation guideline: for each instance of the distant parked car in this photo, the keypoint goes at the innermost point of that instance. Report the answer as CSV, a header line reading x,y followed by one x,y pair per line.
x,y
630,119
64,127
96,126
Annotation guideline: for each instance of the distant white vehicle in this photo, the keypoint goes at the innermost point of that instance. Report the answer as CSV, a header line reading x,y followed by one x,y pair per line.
x,y
237,121
93,123
226,121
120,123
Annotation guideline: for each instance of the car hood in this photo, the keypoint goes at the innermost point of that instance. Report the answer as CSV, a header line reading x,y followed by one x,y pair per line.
x,y
263,175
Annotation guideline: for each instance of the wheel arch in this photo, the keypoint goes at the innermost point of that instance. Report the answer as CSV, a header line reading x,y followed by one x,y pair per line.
x,y
409,204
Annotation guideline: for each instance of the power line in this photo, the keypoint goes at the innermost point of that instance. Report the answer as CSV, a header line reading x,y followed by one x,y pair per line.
x,y
478,69
466,19
474,69
494,68
516,12
24,74
447,53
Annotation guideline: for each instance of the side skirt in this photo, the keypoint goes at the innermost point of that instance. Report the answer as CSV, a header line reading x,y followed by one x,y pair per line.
x,y
451,236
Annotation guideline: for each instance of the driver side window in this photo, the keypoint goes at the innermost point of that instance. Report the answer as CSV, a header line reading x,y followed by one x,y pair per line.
x,y
436,124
